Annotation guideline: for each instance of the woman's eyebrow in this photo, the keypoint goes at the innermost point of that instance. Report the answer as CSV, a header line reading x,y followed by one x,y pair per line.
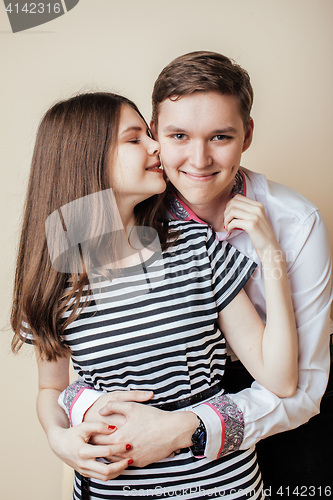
x,y
130,129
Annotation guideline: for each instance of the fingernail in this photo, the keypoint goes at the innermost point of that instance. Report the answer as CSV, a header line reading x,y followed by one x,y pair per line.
x,y
128,447
148,393
130,461
111,427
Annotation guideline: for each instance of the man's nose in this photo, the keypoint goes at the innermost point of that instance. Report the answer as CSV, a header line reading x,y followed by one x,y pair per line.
x,y
199,155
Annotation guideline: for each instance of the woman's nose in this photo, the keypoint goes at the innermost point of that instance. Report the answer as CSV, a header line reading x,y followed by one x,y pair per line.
x,y
154,147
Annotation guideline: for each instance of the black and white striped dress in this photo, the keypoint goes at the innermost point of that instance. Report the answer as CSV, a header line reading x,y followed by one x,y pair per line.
x,y
157,331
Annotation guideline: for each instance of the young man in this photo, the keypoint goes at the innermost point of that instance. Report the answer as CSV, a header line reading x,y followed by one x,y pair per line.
x,y
201,117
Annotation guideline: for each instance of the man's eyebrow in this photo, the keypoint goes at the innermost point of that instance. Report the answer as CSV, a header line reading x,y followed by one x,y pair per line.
x,y
173,128
220,131
227,130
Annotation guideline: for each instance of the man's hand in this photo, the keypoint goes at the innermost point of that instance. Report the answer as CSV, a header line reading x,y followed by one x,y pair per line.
x,y
93,414
154,434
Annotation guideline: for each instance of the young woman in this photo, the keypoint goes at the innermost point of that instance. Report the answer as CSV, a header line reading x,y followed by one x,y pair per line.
x,y
131,317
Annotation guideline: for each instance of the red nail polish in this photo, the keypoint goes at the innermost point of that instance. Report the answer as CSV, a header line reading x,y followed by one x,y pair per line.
x,y
111,427
130,461
128,447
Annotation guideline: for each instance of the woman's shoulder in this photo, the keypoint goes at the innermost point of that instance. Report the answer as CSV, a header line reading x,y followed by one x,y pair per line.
x,y
191,234
189,225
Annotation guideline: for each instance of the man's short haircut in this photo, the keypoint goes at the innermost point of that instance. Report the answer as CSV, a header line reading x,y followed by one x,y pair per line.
x,y
203,71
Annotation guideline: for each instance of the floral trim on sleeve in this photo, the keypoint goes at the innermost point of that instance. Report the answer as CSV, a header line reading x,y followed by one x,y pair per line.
x,y
239,184
234,422
71,393
174,205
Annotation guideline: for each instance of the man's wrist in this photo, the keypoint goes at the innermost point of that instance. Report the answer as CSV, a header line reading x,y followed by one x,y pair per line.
x,y
82,404
186,423
199,440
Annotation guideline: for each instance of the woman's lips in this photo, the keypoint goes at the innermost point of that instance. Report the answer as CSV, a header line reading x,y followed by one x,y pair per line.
x,y
155,168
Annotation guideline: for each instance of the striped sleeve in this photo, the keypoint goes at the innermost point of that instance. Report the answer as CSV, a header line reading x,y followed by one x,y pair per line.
x,y
26,334
230,270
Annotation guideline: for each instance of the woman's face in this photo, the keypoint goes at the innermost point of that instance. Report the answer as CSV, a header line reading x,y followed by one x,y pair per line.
x,y
135,172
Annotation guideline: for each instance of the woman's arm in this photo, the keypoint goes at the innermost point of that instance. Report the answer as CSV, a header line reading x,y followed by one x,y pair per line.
x,y
71,444
269,353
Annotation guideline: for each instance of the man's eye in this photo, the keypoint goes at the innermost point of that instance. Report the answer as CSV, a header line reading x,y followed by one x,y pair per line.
x,y
221,137
179,137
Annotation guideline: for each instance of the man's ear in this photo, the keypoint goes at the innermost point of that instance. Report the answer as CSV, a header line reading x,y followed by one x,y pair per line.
x,y
248,136
153,130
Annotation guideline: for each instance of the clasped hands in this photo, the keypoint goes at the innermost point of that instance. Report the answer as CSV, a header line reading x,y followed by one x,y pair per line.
x,y
117,427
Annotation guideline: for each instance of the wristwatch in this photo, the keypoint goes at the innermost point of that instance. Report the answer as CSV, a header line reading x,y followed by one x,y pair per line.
x,y
199,440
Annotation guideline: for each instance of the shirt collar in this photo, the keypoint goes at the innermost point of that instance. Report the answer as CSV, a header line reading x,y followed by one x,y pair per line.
x,y
180,211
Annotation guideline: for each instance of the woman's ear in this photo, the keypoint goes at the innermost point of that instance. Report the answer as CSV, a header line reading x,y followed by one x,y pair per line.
x,y
153,130
248,136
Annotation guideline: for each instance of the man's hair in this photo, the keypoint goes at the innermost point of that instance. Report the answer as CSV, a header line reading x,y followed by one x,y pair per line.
x,y
203,71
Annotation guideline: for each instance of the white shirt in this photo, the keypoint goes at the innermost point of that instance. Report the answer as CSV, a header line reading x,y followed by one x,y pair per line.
x,y
303,237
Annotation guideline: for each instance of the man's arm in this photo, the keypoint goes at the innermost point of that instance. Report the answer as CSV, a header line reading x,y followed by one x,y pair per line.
x,y
263,413
79,397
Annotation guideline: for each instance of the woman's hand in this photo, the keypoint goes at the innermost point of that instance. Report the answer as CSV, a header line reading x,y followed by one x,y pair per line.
x,y
71,445
249,215
153,433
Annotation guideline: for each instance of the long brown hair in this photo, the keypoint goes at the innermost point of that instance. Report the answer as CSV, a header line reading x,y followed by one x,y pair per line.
x,y
73,142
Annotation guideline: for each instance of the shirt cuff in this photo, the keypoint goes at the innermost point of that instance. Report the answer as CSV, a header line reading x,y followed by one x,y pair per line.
x,y
215,429
76,400
224,424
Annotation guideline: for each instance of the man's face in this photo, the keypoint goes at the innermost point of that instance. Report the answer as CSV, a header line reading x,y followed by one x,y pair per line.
x,y
202,138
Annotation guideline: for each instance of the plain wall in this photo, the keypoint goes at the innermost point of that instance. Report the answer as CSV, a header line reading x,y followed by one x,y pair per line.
x,y
122,45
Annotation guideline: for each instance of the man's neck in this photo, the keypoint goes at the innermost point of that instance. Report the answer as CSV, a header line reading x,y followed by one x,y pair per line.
x,y
213,212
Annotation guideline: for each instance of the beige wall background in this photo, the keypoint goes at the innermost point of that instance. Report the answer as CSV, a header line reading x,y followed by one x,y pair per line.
x,y
121,45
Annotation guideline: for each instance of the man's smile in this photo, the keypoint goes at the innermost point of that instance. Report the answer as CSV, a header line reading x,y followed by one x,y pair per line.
x,y
199,177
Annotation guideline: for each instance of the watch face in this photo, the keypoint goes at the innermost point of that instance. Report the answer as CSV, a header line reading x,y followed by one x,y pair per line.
x,y
199,440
